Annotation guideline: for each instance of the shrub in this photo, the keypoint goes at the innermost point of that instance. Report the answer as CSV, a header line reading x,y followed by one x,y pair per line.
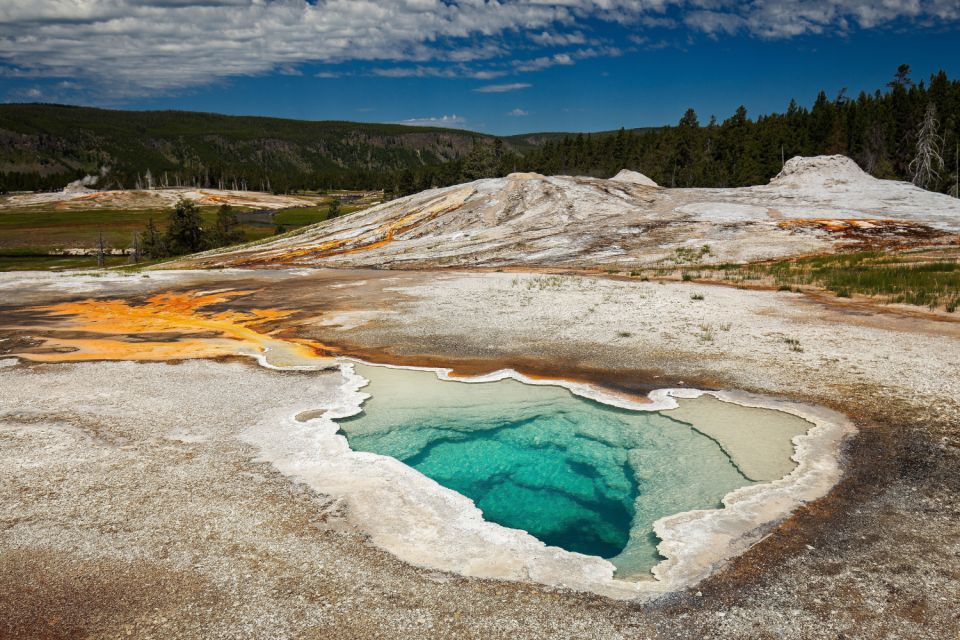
x,y
794,344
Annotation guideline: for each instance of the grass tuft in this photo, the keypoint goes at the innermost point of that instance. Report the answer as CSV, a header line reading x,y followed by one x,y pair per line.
x,y
794,344
929,278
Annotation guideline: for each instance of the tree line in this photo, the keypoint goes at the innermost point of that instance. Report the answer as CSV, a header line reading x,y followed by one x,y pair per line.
x,y
185,233
908,131
11,181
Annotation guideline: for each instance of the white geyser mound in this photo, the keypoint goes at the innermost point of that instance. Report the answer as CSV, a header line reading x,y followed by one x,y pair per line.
x,y
835,187
818,171
633,177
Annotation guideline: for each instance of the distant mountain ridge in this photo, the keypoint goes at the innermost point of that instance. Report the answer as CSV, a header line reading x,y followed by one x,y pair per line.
x,y
48,145
528,141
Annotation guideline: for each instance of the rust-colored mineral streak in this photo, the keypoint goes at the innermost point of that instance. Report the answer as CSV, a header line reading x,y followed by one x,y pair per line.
x,y
168,326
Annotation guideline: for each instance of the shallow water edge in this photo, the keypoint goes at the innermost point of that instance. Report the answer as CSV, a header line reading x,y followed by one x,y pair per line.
x,y
428,525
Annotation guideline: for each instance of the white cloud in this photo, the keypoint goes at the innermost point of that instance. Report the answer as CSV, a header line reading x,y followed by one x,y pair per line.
x,y
452,121
518,112
488,74
543,62
786,19
422,71
714,22
503,88
413,72
554,39
26,94
128,47
133,46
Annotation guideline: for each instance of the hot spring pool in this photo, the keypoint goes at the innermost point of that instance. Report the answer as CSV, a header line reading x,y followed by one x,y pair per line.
x,y
574,473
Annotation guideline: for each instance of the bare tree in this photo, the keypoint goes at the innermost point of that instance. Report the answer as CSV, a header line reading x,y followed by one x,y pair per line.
x,y
955,189
926,166
100,251
136,248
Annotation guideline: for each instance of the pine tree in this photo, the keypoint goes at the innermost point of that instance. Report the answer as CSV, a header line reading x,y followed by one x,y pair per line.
x,y
406,183
688,135
226,228
185,233
333,209
902,78
151,242
478,163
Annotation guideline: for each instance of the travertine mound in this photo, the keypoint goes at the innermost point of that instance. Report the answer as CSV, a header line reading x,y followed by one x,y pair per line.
x,y
562,221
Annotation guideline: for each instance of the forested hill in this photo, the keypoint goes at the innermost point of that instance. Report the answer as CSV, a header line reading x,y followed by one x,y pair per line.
x,y
45,146
881,131
906,130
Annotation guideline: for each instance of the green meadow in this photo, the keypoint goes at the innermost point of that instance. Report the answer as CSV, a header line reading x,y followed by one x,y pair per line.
x,y
32,237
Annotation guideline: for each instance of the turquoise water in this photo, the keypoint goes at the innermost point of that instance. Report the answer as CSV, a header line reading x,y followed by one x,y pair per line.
x,y
574,473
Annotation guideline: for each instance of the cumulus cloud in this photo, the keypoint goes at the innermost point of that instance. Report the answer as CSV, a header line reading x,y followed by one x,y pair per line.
x,y
518,112
141,45
137,46
785,19
503,88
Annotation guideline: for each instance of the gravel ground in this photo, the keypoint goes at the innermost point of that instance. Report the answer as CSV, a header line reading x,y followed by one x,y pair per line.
x,y
132,508
879,558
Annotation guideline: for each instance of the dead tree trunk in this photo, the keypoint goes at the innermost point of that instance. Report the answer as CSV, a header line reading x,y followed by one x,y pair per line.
x,y
955,189
136,248
926,166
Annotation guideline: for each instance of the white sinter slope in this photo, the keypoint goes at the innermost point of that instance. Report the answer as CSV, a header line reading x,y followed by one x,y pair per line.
x,y
625,222
836,187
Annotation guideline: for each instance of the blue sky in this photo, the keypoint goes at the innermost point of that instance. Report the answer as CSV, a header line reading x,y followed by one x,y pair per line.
x,y
516,66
